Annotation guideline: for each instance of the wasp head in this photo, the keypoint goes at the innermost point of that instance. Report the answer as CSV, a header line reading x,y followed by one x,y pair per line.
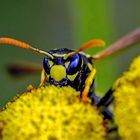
x,y
61,71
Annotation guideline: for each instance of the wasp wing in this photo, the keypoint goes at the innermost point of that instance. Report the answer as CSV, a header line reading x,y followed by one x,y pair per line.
x,y
20,69
126,41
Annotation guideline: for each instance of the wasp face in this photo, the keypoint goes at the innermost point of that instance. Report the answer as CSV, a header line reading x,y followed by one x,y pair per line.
x,y
62,71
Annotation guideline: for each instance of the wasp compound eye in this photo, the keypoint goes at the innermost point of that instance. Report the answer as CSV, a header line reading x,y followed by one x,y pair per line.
x,y
47,63
74,64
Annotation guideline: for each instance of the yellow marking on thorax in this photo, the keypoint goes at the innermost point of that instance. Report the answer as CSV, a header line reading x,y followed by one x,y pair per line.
x,y
58,72
90,66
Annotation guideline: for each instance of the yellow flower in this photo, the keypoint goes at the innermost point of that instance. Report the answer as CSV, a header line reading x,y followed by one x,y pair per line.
x,y
51,113
127,102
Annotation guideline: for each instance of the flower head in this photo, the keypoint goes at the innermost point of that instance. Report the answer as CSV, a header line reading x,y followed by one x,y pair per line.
x,y
51,113
127,102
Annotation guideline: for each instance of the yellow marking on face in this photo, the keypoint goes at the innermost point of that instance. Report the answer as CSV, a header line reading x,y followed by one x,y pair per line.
x,y
57,55
90,66
50,63
58,72
67,64
72,77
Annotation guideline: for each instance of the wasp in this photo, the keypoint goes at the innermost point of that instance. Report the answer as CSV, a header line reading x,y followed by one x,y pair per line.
x,y
67,67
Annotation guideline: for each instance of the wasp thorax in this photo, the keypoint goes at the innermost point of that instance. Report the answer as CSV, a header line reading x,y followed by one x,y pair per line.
x,y
58,72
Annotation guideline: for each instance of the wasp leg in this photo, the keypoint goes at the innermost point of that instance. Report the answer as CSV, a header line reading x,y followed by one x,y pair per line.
x,y
42,82
107,99
43,78
107,113
104,102
88,84
30,87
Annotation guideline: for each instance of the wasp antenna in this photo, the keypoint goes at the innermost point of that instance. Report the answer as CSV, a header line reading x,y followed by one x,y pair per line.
x,y
126,41
24,45
92,43
87,45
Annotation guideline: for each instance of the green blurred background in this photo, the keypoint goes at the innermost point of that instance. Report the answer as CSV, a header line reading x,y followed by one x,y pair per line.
x,y
49,24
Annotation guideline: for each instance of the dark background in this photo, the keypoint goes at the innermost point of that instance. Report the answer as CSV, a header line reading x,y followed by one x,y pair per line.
x,y
49,24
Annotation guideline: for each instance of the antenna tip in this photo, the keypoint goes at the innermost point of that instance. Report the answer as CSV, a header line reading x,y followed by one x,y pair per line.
x,y
98,42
